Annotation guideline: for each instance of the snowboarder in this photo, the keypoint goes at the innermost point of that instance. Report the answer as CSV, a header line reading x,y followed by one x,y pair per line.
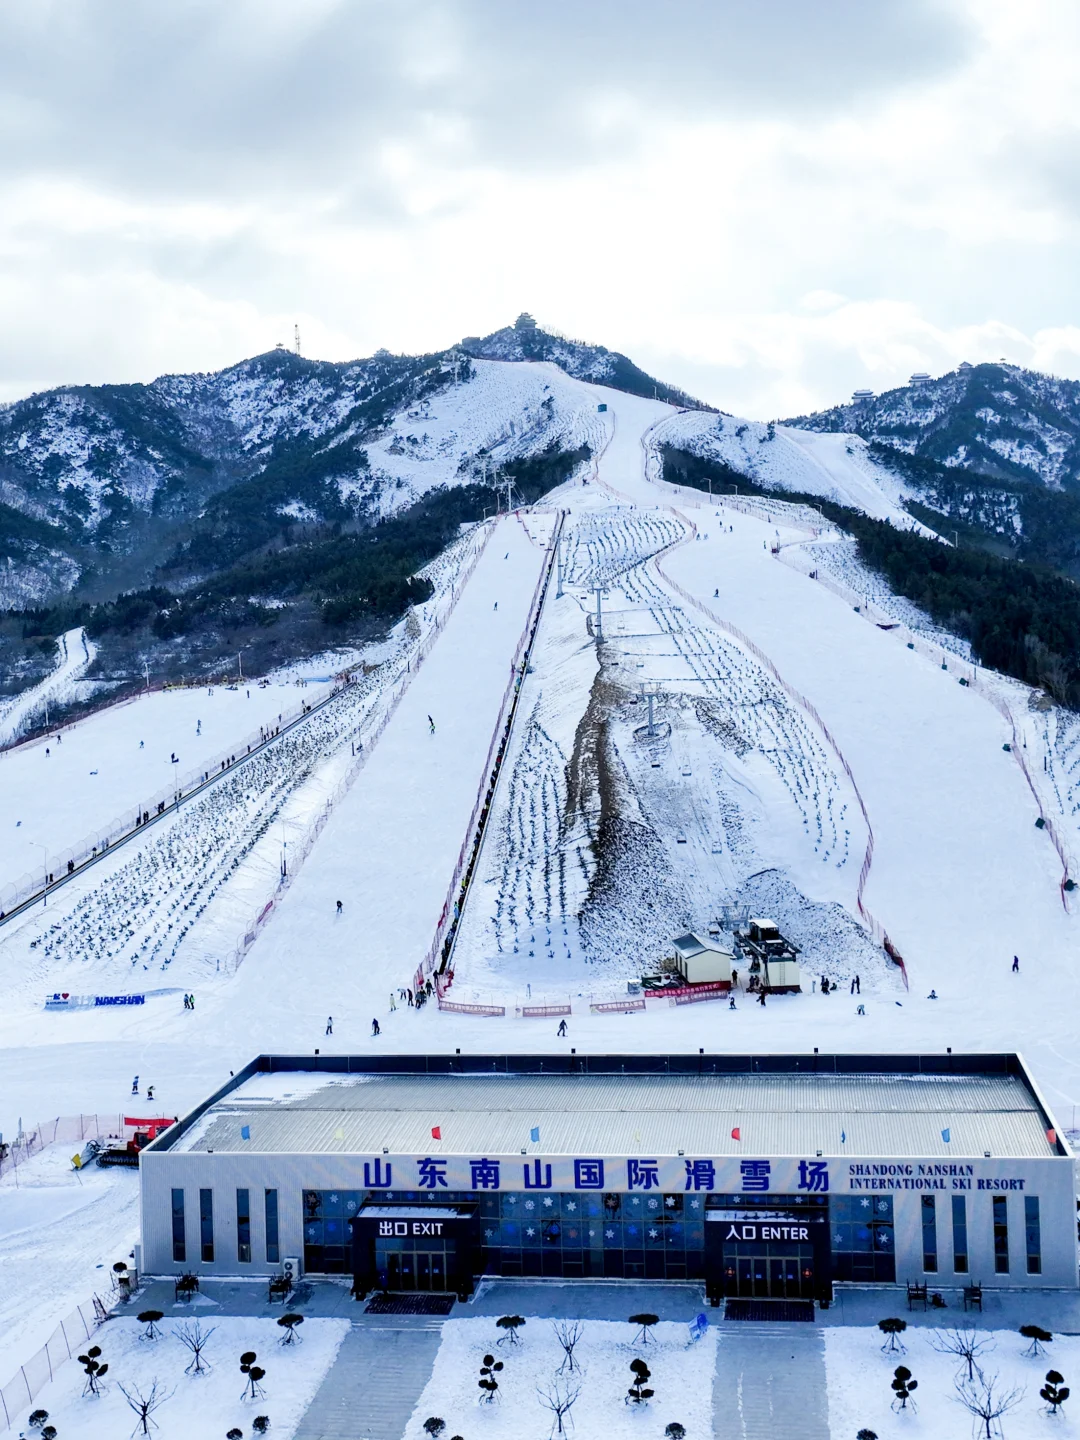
x,y
141,744
339,907
855,988
860,1010
496,605
149,1092
135,1085
932,995
1016,965
393,1005
198,727
561,1032
431,722
375,1027
716,593
329,1024
731,1003
761,997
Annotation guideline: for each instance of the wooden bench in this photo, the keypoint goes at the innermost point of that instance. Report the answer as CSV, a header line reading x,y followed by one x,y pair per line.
x,y
973,1297
916,1295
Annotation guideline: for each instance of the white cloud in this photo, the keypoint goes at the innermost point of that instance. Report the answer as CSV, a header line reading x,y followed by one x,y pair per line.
x,y
766,202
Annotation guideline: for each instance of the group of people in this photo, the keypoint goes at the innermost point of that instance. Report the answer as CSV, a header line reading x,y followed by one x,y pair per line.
x,y
189,1002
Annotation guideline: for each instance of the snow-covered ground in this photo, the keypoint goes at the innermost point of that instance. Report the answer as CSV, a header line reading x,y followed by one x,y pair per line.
x,y
61,1230
601,1376
860,1378
602,842
75,652
209,1404
54,793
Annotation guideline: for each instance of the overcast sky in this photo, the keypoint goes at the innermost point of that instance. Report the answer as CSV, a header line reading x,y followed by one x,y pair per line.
x,y
769,202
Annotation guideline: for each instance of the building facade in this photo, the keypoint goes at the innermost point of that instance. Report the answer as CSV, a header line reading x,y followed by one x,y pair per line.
x,y
757,1176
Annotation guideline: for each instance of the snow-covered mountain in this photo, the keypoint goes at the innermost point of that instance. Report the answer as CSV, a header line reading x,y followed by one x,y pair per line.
x,y
526,340
1000,421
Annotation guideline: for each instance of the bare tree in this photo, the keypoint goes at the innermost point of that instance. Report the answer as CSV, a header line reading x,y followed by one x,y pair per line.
x,y
559,1397
144,1405
568,1333
192,1334
966,1343
987,1400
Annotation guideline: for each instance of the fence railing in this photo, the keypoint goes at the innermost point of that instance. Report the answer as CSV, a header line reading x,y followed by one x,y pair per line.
x,y
63,1130
68,861
301,850
450,915
66,1341
985,683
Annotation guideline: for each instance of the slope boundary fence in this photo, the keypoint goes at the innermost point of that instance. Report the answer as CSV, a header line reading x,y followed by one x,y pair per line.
x,y
873,925
437,959
304,847
62,1345
62,1130
970,674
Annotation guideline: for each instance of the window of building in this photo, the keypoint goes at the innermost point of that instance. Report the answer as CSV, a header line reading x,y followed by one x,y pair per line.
x,y
1031,1234
861,1238
959,1234
273,1250
206,1225
243,1226
1001,1235
929,1233
179,1240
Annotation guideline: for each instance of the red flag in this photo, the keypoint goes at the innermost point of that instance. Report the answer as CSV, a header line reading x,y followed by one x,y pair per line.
x,y
436,1132
1051,1135
735,1135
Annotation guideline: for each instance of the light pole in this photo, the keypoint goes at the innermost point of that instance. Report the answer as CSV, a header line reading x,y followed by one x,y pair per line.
x,y
240,661
146,672
599,616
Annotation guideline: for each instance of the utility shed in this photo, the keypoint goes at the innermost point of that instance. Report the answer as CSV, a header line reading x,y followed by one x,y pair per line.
x,y
701,961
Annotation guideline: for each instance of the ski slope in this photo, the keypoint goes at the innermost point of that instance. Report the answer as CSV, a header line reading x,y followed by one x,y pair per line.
x,y
75,654
601,842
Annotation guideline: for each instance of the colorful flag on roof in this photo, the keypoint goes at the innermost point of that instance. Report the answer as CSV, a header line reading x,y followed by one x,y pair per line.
x,y
736,1134
534,1134
245,1132
946,1135
436,1132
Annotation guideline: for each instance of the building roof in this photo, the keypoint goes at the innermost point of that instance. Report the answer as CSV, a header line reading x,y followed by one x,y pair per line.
x,y
882,1115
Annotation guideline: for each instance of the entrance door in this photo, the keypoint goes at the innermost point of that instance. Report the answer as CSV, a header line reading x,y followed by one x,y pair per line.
x,y
421,1270
763,1274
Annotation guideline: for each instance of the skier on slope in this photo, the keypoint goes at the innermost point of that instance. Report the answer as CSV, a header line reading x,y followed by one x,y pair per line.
x,y
135,1085
561,1032
431,722
329,1024
1016,965
375,1028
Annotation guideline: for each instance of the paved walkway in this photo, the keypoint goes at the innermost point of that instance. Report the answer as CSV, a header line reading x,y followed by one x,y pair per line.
x,y
373,1386
770,1383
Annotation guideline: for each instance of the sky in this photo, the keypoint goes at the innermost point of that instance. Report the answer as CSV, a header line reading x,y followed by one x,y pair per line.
x,y
767,202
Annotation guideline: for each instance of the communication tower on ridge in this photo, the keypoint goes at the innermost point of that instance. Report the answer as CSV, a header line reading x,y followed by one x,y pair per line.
x,y
296,340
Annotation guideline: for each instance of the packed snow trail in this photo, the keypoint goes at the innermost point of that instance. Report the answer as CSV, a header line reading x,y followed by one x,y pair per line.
x,y
75,655
387,854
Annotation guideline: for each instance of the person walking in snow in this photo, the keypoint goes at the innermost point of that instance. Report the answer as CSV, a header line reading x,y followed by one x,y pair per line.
x,y
410,994
329,1024
393,1006
496,605
561,1032
761,998
375,1028
339,907
1016,965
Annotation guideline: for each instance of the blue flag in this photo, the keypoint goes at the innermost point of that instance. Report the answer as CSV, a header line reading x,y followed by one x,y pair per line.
x,y
245,1132
843,1137
945,1135
534,1134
